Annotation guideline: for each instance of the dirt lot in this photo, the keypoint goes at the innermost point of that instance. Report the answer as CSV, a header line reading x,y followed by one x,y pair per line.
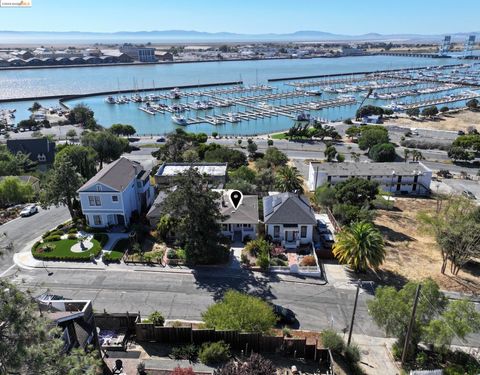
x,y
413,255
457,121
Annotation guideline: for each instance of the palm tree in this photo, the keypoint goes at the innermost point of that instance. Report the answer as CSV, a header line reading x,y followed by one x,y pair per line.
x,y
361,246
289,179
406,154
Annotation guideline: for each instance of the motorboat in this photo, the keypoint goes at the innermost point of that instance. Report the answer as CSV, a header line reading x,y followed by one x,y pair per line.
x,y
232,117
314,92
110,100
179,119
217,121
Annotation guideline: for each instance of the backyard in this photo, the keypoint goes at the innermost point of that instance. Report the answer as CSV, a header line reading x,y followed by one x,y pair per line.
x,y
413,255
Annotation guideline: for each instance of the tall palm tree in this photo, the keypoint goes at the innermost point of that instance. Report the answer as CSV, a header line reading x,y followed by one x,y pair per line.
x,y
289,179
361,246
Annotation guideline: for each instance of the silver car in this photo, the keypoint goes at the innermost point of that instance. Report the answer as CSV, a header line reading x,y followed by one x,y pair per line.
x,y
29,210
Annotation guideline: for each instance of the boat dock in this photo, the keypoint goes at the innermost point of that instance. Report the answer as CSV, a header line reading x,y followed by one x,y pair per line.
x,y
443,100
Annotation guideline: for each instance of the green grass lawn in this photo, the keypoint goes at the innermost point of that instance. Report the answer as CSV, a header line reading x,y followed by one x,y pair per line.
x,y
61,251
279,136
118,250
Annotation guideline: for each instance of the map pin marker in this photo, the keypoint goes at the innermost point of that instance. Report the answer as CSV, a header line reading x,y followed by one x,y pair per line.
x,y
236,198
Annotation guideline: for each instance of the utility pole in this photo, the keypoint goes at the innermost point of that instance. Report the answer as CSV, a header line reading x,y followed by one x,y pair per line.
x,y
353,313
410,325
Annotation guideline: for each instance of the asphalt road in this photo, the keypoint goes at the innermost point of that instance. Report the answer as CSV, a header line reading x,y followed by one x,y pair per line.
x,y
24,230
184,296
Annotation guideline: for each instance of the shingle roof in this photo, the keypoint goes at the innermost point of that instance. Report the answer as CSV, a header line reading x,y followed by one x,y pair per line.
x,y
246,212
371,169
116,175
287,208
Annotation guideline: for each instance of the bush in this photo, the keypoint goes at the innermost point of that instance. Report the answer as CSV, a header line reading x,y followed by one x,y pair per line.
x,y
189,352
348,121
52,238
278,262
396,351
56,232
171,254
421,359
244,259
112,257
72,236
156,318
352,353
309,261
333,341
73,230
102,238
214,352
384,152
263,262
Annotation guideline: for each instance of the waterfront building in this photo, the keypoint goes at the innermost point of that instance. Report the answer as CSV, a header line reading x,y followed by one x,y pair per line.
x,y
139,53
394,177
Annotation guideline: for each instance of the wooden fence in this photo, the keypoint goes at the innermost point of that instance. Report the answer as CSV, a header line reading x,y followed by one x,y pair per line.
x,y
246,342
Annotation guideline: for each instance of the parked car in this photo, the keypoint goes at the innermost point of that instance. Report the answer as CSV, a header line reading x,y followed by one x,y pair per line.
x,y
284,315
161,140
469,194
461,132
29,210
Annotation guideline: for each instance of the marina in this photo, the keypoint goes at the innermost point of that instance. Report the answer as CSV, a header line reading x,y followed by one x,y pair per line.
x,y
250,105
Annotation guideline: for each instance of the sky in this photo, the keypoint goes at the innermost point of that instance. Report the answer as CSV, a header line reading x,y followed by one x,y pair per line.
x,y
349,17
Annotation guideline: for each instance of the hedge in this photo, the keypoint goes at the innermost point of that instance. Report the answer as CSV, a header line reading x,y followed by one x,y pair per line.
x,y
102,238
52,238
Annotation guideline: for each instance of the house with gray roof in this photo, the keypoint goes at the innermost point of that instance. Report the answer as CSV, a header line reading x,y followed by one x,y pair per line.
x,y
115,193
289,219
241,222
41,150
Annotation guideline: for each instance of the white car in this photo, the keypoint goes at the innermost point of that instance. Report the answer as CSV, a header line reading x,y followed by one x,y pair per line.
x,y
29,210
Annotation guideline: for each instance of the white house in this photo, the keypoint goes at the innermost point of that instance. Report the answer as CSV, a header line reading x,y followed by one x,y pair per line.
x,y
115,193
395,177
239,222
289,219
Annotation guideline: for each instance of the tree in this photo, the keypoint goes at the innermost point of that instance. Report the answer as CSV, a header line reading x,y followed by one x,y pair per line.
x,y
196,211
81,114
61,187
444,109
82,158
121,129
436,320
288,179
368,110
156,318
356,191
406,154
270,142
453,226
459,153
347,214
353,131
274,157
355,157
254,365
430,111
220,154
417,155
325,196
383,152
470,142
252,149
241,312
372,137
265,180
360,245
35,107
30,346
165,227
472,104
108,146
14,191
174,148
330,153
413,112
14,164
71,134
190,156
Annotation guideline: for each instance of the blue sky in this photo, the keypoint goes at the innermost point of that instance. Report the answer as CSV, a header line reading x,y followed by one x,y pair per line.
x,y
247,16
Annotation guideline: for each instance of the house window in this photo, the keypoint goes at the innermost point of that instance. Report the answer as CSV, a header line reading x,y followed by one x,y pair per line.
x,y
97,219
94,200
276,231
246,225
225,227
99,188
114,198
303,231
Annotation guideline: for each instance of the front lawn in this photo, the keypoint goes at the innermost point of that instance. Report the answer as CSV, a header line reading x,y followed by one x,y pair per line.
x,y
61,250
118,251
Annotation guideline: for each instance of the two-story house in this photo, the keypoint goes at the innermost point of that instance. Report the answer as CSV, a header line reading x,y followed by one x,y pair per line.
x,y
115,193
289,219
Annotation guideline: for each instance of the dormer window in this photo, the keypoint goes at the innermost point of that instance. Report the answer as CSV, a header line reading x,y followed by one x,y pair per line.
x,y
41,158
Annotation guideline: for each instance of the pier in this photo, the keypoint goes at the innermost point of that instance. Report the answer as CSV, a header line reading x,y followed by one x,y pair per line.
x,y
443,100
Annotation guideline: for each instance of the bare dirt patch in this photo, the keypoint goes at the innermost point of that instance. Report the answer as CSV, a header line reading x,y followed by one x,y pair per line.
x,y
451,121
414,255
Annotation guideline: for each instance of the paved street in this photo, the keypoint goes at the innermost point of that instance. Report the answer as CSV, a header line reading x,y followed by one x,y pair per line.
x,y
24,230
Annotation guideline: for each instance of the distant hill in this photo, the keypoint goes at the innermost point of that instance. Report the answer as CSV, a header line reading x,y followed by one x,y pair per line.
x,y
166,36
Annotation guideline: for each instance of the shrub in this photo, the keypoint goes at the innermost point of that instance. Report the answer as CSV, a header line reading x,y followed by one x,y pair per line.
x,y
246,239
214,352
56,232
421,359
156,318
52,238
46,234
396,351
73,230
189,352
282,257
171,254
352,353
286,332
112,257
278,262
333,341
348,121
309,261
72,236
263,262
244,259
102,238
